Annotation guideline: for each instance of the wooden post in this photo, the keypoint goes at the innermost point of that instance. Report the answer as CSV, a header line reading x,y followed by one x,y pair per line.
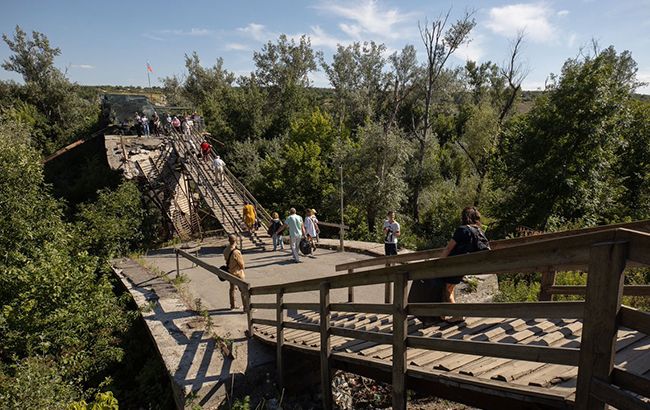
x,y
280,336
603,301
178,270
548,280
249,313
387,290
325,347
399,341
350,290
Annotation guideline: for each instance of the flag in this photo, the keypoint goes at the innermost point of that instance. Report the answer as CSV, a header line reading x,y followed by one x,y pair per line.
x,y
149,67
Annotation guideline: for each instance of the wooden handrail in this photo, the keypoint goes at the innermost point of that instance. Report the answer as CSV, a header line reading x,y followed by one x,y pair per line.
x,y
603,253
242,284
640,226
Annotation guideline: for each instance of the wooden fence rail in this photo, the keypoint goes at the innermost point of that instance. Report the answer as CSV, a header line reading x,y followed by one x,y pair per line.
x,y
604,253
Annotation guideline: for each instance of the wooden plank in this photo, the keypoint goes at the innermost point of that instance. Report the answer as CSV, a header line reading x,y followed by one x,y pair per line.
x,y
214,270
399,341
568,253
643,225
362,307
267,322
604,292
506,310
605,393
548,280
325,348
350,290
259,305
635,319
310,327
509,351
639,246
628,290
279,339
630,381
377,337
302,306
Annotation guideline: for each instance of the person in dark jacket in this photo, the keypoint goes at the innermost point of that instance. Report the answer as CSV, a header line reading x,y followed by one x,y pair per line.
x,y
467,238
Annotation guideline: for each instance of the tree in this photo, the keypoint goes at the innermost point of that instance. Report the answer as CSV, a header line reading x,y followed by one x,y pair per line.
x,y
60,114
439,43
494,91
559,161
375,171
357,75
283,68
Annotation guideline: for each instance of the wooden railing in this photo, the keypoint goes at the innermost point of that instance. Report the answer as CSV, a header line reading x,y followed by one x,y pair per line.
x,y
604,253
548,286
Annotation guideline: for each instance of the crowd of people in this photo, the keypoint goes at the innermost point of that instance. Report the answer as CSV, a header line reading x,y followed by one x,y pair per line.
x,y
157,126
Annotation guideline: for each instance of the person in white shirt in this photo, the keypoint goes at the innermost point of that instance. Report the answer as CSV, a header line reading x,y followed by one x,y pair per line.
x,y
391,232
219,167
311,227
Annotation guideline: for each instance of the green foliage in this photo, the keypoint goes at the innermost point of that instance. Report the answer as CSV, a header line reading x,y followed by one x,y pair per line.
x,y
47,102
560,159
36,383
518,288
112,225
103,401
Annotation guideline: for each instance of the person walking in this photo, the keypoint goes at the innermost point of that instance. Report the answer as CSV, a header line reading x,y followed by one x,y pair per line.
x,y
219,168
145,124
235,263
275,231
296,232
249,215
391,233
311,227
467,238
206,150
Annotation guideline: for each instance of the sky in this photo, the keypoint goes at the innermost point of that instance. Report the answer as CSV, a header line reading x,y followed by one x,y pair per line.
x,y
110,42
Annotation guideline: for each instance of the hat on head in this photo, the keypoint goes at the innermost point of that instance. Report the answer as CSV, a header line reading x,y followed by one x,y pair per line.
x,y
313,211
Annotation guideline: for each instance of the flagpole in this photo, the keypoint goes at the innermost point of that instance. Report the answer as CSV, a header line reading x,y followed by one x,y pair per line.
x,y
149,81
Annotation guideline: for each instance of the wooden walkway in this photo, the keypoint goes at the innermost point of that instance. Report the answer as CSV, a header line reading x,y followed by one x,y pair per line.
x,y
556,383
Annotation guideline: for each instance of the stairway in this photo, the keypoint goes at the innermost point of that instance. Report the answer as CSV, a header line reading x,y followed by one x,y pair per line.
x,y
226,201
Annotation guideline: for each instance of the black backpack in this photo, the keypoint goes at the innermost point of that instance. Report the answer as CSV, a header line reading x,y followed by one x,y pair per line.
x,y
480,241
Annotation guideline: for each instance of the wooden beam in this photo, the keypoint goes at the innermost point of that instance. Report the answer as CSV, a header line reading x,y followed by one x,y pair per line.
x,y
630,381
399,341
635,319
265,322
548,280
370,336
540,354
628,290
325,347
643,226
214,270
302,306
310,327
526,310
350,290
381,308
604,392
603,301
279,333
267,306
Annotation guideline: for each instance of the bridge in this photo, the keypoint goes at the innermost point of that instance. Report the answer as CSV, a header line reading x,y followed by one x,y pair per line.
x,y
545,354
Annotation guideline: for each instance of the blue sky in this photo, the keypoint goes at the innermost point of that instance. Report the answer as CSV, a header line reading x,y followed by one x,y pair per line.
x,y
109,42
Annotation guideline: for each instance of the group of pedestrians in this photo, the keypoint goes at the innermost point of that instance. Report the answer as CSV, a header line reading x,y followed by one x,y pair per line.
x,y
153,125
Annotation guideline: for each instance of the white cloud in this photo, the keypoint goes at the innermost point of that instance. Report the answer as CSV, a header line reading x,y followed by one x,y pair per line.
x,y
152,37
368,17
320,38
256,31
563,13
472,50
193,32
533,19
237,46
83,66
